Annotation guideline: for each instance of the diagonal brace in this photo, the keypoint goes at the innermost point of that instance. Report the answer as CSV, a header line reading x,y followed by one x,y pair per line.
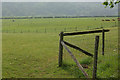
x,y
76,61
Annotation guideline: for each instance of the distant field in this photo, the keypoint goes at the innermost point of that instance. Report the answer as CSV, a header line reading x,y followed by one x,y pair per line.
x,y
53,25
30,47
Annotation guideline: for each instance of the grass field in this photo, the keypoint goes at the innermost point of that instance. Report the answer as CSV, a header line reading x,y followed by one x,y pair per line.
x,y
30,48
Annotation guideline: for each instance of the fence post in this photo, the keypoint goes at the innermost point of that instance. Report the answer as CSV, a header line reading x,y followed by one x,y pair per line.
x,y
60,49
95,57
103,39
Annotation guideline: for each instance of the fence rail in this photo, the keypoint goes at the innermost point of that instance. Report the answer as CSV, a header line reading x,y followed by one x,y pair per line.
x,y
85,32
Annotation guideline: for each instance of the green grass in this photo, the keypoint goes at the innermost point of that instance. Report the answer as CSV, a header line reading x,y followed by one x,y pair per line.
x,y
56,24
32,54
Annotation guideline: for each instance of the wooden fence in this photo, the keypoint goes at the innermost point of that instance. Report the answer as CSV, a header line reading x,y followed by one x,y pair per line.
x,y
64,44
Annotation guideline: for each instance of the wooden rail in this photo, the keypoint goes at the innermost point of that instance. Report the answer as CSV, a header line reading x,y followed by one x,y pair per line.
x,y
85,32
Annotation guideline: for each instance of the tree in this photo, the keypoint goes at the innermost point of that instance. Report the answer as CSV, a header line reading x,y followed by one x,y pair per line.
x,y
111,3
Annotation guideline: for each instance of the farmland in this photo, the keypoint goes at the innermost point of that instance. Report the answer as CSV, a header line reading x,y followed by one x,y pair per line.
x,y
30,47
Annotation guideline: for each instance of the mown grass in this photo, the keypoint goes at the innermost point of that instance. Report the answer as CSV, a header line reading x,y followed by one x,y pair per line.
x,y
35,54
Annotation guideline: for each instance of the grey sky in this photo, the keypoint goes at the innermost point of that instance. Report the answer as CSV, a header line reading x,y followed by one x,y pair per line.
x,y
52,0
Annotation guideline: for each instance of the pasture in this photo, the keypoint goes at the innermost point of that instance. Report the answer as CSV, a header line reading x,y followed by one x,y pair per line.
x,y
30,47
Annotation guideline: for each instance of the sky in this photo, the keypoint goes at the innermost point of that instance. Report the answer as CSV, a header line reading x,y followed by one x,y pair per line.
x,y
53,0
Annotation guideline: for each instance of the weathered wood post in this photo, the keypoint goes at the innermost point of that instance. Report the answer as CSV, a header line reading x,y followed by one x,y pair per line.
x,y
60,49
95,57
103,41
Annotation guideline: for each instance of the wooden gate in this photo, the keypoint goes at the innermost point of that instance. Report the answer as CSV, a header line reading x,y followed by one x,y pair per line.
x,y
64,44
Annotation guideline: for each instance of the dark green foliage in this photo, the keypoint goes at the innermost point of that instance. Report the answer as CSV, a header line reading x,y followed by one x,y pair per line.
x,y
105,3
111,3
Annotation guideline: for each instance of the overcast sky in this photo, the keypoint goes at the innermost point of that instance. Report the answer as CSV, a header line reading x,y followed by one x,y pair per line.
x,y
53,0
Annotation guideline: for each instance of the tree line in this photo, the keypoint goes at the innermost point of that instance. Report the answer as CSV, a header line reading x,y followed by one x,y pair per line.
x,y
53,17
